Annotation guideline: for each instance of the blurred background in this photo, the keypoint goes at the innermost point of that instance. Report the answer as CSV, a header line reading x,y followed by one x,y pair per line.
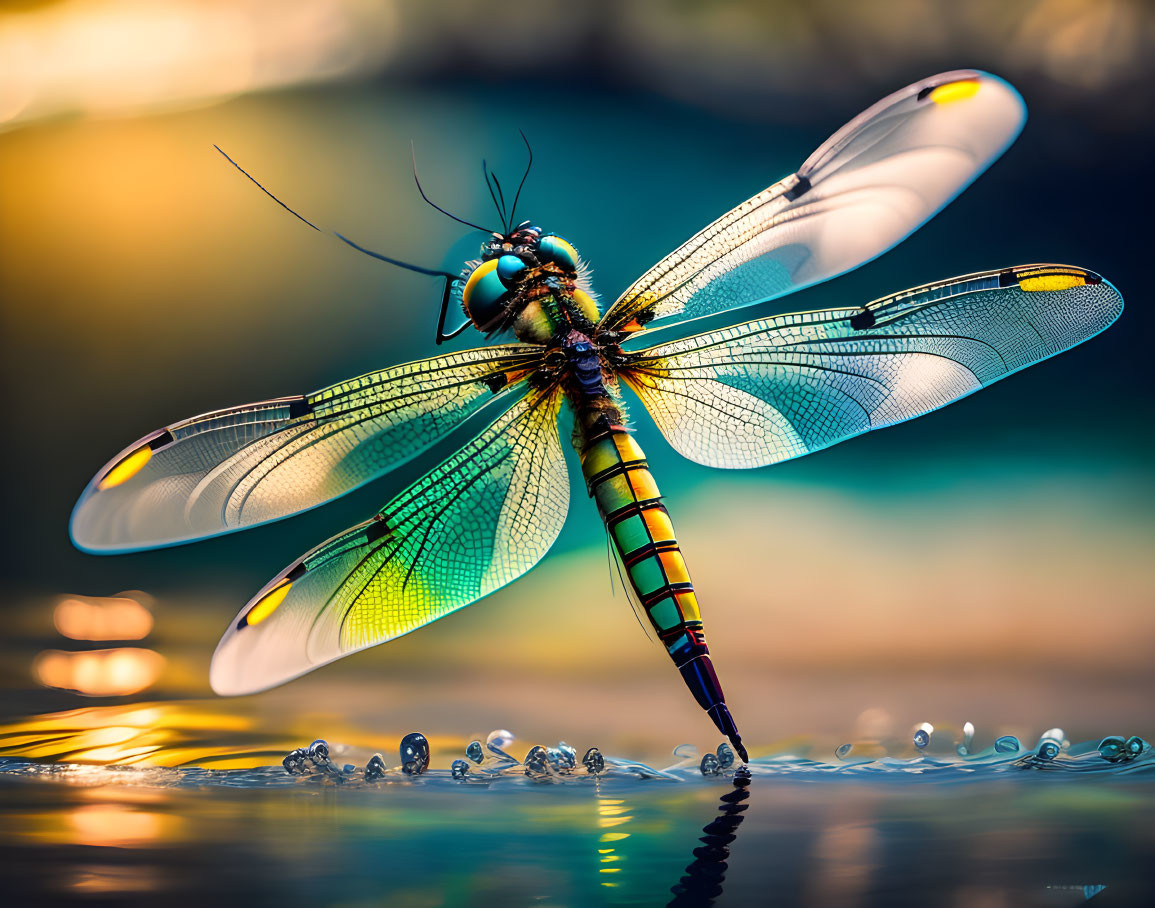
x,y
991,562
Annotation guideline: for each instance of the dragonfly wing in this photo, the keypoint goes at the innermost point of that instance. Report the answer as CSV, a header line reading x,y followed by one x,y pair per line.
x,y
777,388
869,186
476,522
247,465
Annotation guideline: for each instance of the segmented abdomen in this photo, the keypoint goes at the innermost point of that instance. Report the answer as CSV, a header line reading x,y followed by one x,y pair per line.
x,y
621,483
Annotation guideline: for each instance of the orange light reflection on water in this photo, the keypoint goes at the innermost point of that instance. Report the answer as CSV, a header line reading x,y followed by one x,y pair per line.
x,y
99,673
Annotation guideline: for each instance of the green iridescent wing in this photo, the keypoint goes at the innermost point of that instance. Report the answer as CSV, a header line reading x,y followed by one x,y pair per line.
x,y
479,520
777,388
869,186
247,465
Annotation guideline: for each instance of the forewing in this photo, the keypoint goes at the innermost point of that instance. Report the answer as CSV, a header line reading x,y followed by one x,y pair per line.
x,y
247,465
773,389
476,522
869,186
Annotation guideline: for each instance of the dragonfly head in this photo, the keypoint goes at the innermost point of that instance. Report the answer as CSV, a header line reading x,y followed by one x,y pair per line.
x,y
509,261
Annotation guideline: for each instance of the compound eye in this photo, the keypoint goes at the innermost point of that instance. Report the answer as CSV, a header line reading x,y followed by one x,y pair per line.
x,y
484,295
509,269
554,249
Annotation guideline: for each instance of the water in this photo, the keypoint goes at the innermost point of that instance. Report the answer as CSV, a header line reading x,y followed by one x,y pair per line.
x,y
1010,823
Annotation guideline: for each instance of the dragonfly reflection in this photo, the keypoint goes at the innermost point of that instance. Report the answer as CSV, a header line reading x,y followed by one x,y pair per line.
x,y
744,396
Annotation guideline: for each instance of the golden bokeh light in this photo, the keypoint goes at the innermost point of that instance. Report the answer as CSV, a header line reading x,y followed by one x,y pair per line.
x,y
99,673
122,56
93,618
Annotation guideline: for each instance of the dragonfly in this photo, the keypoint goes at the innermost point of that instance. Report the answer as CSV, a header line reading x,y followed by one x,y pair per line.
x,y
739,397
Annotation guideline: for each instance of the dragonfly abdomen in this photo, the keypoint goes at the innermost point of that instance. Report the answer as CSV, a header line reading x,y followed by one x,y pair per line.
x,y
619,480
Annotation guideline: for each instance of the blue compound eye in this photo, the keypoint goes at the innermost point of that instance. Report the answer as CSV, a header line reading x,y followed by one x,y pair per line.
x,y
557,251
509,268
484,294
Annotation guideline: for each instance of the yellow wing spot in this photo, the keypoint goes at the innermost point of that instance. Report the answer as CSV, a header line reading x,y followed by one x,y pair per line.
x,y
955,91
127,468
1051,282
268,603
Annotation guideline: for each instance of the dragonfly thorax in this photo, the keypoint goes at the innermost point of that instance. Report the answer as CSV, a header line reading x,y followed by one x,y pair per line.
x,y
527,282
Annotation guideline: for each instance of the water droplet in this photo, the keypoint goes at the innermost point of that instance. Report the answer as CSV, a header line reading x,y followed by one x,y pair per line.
x,y
968,737
843,751
710,766
375,768
1135,746
1007,744
500,738
569,755
459,769
1113,749
414,754
319,752
593,761
474,752
294,761
497,741
686,752
922,735
1050,744
725,755
537,762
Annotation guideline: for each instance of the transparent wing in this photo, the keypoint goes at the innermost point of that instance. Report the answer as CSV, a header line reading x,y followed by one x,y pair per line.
x,y
871,185
240,467
478,521
773,389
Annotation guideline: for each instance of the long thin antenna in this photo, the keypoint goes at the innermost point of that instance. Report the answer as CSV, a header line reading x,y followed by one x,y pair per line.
x,y
270,195
513,210
417,180
400,264
501,195
500,207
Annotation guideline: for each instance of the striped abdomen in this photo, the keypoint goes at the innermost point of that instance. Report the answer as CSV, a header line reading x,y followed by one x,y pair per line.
x,y
620,481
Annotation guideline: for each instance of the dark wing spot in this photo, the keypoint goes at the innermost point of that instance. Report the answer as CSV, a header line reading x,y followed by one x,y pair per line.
x,y
164,438
496,381
299,407
378,530
798,189
862,320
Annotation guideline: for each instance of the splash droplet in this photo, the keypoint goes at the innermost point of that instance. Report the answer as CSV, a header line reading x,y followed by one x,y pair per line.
x,y
497,741
414,754
1135,746
843,751
1050,744
593,761
375,769
474,752
319,752
500,738
1007,744
1112,749
922,735
968,737
725,755
568,756
294,761
710,765
459,769
537,762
